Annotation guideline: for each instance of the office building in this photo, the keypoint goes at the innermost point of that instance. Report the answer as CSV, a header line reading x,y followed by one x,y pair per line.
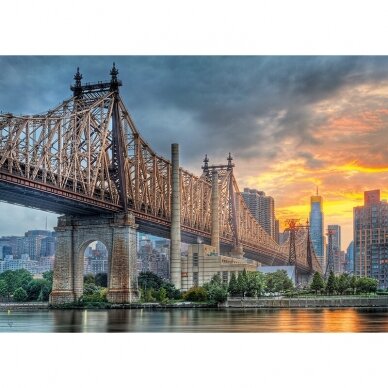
x,y
96,258
316,228
350,258
154,255
338,256
262,208
370,232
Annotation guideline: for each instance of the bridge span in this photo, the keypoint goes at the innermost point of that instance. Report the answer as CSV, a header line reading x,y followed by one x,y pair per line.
x,y
85,159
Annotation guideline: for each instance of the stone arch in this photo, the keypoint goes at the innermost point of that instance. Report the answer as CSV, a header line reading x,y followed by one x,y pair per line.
x,y
118,233
80,257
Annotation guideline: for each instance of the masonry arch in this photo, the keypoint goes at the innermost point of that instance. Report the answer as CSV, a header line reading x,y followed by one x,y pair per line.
x,y
117,232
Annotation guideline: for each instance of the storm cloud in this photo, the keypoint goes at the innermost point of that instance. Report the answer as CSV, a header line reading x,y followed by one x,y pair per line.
x,y
265,110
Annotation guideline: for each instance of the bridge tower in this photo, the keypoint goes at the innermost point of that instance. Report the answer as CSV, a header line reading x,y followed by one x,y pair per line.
x,y
221,178
116,230
292,226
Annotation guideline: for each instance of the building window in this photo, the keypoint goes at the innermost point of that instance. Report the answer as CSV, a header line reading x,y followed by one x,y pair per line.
x,y
195,259
195,279
225,276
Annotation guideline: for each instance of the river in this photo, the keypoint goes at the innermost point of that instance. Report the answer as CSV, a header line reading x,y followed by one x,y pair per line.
x,y
346,320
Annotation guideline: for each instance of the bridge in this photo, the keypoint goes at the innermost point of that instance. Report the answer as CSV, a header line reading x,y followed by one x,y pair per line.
x,y
85,159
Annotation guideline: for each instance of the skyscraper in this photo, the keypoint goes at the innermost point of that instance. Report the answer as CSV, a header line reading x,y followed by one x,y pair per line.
x,y
316,228
262,208
336,243
370,232
350,258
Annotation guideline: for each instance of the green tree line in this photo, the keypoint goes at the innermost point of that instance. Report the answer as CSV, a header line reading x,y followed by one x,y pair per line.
x,y
154,289
245,284
20,286
343,284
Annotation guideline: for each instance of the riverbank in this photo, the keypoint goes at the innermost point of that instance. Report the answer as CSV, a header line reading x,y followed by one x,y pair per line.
x,y
265,303
308,302
24,306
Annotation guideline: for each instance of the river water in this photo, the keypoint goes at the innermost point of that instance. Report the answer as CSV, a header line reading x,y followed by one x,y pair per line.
x,y
323,320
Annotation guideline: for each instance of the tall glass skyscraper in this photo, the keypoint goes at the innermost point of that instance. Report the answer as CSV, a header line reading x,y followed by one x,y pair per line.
x,y
316,228
350,258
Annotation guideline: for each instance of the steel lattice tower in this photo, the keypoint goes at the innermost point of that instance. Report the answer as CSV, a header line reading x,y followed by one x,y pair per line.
x,y
292,225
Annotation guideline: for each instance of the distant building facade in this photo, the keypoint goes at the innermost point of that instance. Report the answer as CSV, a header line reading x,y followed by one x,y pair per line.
x,y
202,263
154,255
350,258
370,236
96,259
316,228
338,255
34,251
262,208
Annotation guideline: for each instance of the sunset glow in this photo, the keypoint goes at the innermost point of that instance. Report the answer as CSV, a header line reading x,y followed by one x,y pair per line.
x,y
347,157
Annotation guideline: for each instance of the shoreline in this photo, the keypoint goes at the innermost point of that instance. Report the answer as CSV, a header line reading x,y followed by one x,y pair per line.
x,y
235,303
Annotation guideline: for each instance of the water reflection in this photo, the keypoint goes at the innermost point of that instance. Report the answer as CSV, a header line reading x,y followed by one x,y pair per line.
x,y
348,320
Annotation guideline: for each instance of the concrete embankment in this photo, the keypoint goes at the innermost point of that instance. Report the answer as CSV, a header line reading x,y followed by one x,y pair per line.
x,y
23,306
280,302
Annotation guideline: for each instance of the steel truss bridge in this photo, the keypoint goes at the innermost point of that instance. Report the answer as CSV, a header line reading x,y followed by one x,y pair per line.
x,y
86,157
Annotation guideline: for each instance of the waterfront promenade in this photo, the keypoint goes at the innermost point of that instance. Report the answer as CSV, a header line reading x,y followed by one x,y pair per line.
x,y
232,302
309,302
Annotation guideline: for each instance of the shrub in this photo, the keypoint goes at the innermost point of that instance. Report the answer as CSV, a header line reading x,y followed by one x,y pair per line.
x,y
99,295
20,295
195,294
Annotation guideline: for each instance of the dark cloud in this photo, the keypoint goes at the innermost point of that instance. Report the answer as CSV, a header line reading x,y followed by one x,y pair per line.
x,y
245,105
311,161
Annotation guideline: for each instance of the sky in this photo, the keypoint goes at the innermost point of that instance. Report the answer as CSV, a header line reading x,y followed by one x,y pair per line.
x,y
292,123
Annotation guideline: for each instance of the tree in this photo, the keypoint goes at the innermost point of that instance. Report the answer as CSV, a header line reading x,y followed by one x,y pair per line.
x,y
16,279
366,285
35,286
353,284
48,275
147,295
331,285
196,294
317,284
343,283
217,291
255,283
242,282
162,295
172,292
148,279
101,279
3,288
89,279
20,295
22,278
278,281
45,292
91,288
233,285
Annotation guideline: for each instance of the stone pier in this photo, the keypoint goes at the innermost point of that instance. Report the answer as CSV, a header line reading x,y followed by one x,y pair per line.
x,y
118,233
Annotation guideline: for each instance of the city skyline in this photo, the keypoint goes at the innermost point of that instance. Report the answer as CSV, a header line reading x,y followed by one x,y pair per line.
x,y
291,123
